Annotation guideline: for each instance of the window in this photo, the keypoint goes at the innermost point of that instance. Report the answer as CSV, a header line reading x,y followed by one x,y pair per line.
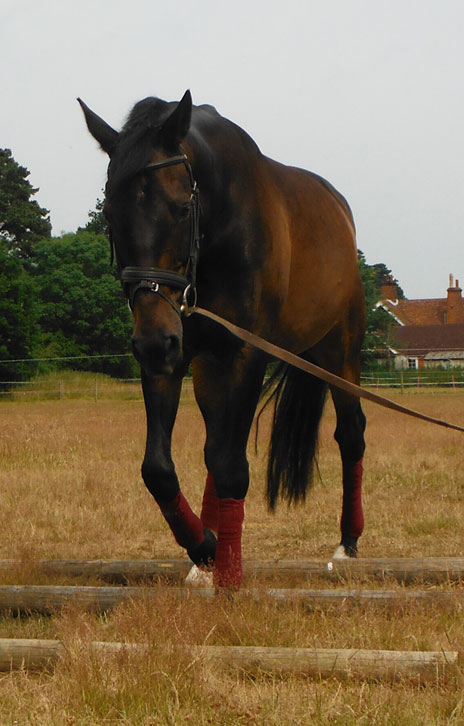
x,y
413,363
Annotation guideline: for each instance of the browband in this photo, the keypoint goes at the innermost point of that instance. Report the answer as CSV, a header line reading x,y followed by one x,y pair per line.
x,y
167,162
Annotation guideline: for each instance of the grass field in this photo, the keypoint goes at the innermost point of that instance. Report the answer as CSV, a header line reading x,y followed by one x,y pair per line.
x,y
71,488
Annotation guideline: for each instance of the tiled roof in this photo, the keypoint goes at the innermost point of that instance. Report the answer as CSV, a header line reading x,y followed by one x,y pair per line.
x,y
422,339
446,355
418,312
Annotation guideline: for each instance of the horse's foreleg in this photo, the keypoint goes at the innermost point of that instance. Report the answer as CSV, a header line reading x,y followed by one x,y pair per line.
x,y
227,395
184,524
210,505
161,402
230,467
228,563
224,517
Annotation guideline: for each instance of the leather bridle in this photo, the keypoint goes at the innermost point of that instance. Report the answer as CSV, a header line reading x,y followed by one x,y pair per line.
x,y
151,278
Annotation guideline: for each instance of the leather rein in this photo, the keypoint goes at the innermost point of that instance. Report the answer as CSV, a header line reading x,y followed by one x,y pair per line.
x,y
150,278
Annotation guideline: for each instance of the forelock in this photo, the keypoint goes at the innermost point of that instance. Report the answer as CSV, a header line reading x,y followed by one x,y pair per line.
x,y
136,141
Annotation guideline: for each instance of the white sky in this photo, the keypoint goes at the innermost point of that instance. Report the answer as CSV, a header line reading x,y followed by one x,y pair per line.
x,y
367,93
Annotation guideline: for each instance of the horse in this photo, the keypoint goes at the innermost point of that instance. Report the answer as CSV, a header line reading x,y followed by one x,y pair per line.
x,y
199,215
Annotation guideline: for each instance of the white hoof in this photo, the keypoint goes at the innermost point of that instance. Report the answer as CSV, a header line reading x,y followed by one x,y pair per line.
x,y
199,578
340,553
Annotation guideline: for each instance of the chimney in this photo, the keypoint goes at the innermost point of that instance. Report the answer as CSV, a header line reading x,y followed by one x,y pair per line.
x,y
388,291
455,303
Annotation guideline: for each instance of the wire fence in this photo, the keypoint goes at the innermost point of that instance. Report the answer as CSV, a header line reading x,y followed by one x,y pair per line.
x,y
452,380
99,387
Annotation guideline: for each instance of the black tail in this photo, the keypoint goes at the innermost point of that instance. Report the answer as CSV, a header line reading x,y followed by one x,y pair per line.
x,y
299,401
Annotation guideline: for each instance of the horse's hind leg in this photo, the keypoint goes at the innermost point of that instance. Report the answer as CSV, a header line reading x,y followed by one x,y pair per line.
x,y
339,353
349,435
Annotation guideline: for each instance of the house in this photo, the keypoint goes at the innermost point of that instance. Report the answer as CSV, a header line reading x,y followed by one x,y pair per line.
x,y
425,333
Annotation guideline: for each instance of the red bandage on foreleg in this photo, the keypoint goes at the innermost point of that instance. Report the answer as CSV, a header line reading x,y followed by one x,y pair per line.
x,y
352,522
228,563
210,506
186,527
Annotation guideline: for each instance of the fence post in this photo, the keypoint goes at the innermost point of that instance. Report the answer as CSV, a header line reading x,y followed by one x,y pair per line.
x,y
96,390
60,390
402,381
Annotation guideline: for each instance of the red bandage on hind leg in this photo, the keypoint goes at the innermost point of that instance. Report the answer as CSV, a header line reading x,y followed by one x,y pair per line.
x,y
210,506
186,527
352,522
228,563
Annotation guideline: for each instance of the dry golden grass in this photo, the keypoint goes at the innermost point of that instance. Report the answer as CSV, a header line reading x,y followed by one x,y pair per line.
x,y
70,479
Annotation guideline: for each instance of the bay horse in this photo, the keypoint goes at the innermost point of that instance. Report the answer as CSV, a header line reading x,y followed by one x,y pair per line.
x,y
197,212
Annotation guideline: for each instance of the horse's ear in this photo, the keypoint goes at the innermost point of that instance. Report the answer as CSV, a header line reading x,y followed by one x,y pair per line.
x,y
176,126
100,130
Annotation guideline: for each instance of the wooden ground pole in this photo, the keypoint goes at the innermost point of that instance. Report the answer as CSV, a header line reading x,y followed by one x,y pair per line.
x,y
321,663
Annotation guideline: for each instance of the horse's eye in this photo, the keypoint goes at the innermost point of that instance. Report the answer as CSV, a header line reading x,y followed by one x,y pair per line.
x,y
184,211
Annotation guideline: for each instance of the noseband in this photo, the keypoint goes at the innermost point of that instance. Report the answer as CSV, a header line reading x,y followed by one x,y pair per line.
x,y
150,278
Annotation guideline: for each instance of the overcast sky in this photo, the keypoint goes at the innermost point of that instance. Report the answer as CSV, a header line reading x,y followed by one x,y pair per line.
x,y
367,93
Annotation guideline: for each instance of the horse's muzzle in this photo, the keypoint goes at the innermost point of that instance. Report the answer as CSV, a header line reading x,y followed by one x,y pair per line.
x,y
158,354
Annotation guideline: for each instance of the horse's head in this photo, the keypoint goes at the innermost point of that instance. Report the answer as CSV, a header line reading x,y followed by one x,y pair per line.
x,y
152,210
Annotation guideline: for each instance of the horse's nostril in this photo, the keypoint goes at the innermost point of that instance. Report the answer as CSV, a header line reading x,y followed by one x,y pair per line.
x,y
172,344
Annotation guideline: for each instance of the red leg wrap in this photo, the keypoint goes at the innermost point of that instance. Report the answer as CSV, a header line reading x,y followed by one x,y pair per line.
x,y
210,506
228,563
352,522
186,527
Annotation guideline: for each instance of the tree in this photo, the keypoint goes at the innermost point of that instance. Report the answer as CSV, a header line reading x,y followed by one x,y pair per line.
x,y
83,312
22,220
378,321
383,274
19,330
97,222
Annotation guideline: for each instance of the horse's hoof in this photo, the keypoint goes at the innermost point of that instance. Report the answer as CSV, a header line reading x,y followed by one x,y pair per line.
x,y
205,554
340,553
347,549
199,578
